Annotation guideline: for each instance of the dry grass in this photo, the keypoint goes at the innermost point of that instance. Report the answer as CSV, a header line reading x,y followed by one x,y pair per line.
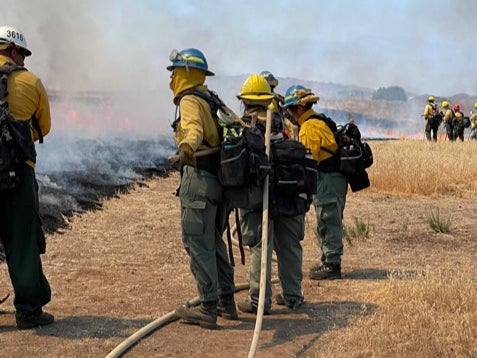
x,y
419,167
407,291
430,313
422,315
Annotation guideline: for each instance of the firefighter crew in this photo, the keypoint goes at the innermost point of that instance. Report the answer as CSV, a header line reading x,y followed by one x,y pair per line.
x,y
448,119
473,124
20,223
332,187
203,209
433,119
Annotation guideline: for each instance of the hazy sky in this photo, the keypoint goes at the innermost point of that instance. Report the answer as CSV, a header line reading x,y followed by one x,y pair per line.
x,y
424,46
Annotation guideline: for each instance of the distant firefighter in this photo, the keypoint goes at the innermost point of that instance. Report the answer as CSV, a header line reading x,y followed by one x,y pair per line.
x,y
433,119
473,124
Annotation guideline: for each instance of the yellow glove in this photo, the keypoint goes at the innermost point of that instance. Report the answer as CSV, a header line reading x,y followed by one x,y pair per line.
x,y
186,154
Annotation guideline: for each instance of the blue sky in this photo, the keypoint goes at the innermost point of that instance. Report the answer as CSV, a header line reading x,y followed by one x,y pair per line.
x,y
423,46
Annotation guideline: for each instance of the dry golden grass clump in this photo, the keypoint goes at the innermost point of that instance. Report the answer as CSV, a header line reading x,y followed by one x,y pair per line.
x,y
423,315
427,168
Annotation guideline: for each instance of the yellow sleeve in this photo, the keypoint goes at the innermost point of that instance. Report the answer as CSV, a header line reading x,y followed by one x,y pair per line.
x,y
196,124
315,134
42,113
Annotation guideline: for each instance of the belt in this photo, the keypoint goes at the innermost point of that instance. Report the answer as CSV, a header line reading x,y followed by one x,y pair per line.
x,y
209,163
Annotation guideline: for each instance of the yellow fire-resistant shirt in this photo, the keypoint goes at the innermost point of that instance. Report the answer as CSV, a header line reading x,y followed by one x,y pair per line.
x,y
473,121
197,127
27,97
428,111
448,115
315,135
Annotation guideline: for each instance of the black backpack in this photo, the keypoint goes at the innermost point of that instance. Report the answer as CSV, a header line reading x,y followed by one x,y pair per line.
x,y
16,142
354,155
293,178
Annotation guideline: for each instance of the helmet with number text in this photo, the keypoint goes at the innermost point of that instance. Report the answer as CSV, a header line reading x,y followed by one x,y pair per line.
x,y
189,58
9,35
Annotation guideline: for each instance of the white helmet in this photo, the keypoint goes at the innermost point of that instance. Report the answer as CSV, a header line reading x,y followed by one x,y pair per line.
x,y
11,35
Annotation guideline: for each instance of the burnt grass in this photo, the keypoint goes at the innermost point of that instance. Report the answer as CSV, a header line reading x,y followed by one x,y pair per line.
x,y
85,192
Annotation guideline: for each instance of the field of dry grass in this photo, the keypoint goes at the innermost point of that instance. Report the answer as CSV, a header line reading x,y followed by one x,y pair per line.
x,y
407,290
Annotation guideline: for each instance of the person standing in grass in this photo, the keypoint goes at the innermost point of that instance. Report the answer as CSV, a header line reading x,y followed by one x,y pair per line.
x,y
20,223
433,119
203,207
448,120
332,188
473,124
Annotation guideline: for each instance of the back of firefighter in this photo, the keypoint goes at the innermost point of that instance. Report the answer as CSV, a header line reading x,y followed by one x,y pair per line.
x,y
432,118
20,224
458,123
203,209
448,120
332,187
285,233
473,124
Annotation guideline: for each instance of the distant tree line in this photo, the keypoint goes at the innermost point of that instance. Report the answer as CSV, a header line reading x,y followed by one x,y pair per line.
x,y
393,93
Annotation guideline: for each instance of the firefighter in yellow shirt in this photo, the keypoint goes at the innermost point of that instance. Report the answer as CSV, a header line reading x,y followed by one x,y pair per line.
x,y
203,208
20,224
433,119
473,124
332,186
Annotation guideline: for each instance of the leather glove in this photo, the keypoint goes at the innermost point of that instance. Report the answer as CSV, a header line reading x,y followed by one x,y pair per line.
x,y
186,154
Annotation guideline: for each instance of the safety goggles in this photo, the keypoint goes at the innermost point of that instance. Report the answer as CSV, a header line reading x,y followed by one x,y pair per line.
x,y
176,56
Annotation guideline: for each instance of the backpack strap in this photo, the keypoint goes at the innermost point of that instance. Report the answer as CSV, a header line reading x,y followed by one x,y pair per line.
x,y
5,71
211,98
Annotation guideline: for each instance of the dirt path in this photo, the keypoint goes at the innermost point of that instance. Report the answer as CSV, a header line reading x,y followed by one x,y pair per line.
x,y
116,270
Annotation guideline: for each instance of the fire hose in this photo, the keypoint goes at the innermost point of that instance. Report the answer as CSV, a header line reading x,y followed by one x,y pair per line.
x,y
264,259
171,316
160,322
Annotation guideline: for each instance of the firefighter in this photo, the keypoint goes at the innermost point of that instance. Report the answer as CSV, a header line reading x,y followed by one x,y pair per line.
x,y
285,232
448,119
433,119
473,124
20,223
332,186
458,123
203,208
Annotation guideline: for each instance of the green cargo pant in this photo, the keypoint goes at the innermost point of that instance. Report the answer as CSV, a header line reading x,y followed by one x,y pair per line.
x,y
287,232
22,236
329,204
203,218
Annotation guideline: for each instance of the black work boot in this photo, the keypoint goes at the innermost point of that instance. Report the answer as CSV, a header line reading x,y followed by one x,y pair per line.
x,y
325,271
204,315
33,320
226,307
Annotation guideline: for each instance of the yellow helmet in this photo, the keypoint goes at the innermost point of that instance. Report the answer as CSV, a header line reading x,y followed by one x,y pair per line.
x,y
445,104
430,99
255,87
475,104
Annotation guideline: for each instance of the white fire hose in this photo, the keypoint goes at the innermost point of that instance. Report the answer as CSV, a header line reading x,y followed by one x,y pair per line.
x,y
264,260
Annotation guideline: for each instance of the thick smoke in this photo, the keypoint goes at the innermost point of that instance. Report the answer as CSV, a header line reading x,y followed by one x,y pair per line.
x,y
103,64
